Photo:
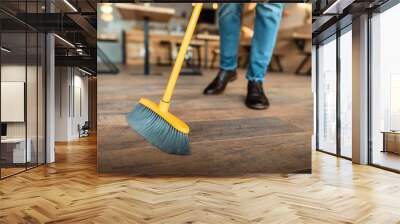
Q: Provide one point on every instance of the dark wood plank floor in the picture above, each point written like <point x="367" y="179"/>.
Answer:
<point x="226" y="137"/>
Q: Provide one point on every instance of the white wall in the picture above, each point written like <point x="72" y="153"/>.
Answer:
<point x="62" y="82"/>
<point x="70" y="83"/>
<point x="82" y="82"/>
<point x="80" y="94"/>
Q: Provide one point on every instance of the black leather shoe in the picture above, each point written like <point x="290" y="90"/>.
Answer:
<point x="218" y="85"/>
<point x="256" y="98"/>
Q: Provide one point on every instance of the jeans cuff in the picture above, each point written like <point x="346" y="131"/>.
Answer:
<point x="250" y="78"/>
<point x="228" y="68"/>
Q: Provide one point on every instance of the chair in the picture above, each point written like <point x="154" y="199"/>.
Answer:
<point x="192" y="66"/>
<point x="84" y="130"/>
<point x="167" y="44"/>
<point x="215" y="53"/>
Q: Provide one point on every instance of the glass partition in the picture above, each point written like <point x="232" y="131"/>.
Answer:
<point x="385" y="89"/>
<point x="22" y="88"/>
<point x="31" y="99"/>
<point x="346" y="94"/>
<point x="327" y="96"/>
<point x="14" y="153"/>
<point x="41" y="97"/>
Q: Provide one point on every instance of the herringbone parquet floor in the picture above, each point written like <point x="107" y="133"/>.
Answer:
<point x="71" y="191"/>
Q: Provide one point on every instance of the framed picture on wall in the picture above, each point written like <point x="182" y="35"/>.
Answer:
<point x="12" y="101"/>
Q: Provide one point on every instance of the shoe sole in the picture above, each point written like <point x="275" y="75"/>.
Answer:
<point x="257" y="107"/>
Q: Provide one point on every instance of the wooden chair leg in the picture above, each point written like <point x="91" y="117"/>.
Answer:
<point x="276" y="65"/>
<point x="214" y="57"/>
<point x="303" y="63"/>
<point x="170" y="58"/>
<point x="278" y="62"/>
<point x="271" y="66"/>
<point x="199" y="57"/>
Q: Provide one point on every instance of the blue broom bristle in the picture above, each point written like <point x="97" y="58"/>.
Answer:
<point x="158" y="131"/>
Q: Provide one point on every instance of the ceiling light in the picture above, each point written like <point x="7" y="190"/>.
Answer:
<point x="106" y="8"/>
<point x="215" y="6"/>
<point x="65" y="41"/>
<point x="70" y="5"/>
<point x="5" y="50"/>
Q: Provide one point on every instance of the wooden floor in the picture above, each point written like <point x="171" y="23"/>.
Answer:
<point x="71" y="191"/>
<point x="387" y="159"/>
<point x="8" y="171"/>
<point x="226" y="137"/>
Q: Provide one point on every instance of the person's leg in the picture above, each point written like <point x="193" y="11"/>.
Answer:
<point x="229" y="28"/>
<point x="266" y="26"/>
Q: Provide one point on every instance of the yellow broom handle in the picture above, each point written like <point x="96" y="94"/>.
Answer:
<point x="164" y="103"/>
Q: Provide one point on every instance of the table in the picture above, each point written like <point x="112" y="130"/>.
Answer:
<point x="146" y="14"/>
<point x="206" y="38"/>
<point x="107" y="37"/>
<point x="391" y="141"/>
<point x="300" y="40"/>
<point x="18" y="151"/>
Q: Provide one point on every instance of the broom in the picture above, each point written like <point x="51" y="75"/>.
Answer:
<point x="154" y="122"/>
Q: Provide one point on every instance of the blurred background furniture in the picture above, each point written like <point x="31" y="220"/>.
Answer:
<point x="301" y="40"/>
<point x="84" y="129"/>
<point x="145" y="14"/>
<point x="391" y="141"/>
<point x="193" y="63"/>
<point x="13" y="151"/>
<point x="206" y="38"/>
<point x="167" y="44"/>
<point x="157" y="42"/>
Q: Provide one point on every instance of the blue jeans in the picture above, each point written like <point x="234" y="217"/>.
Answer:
<point x="266" y="25"/>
